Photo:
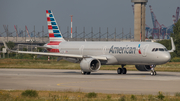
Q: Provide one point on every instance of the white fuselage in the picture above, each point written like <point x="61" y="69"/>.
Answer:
<point x="133" y="53"/>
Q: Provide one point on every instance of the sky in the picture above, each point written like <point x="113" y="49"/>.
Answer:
<point x="86" y="13"/>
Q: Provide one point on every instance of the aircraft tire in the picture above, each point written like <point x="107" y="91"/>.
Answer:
<point x="124" y="71"/>
<point x="88" y="73"/>
<point x="83" y="73"/>
<point x="152" y="73"/>
<point x="119" y="70"/>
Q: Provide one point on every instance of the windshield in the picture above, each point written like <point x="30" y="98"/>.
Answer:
<point x="159" y="49"/>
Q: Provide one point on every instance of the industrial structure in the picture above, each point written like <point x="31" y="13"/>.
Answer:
<point x="160" y="31"/>
<point x="139" y="19"/>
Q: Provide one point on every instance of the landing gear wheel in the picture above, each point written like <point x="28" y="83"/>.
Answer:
<point x="88" y="73"/>
<point x="124" y="71"/>
<point x="119" y="70"/>
<point x="154" y="72"/>
<point x="83" y="73"/>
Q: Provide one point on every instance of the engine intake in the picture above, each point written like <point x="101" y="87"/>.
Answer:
<point x="143" y="67"/>
<point x="90" y="65"/>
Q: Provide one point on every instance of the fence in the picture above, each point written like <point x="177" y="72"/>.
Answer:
<point x="41" y="36"/>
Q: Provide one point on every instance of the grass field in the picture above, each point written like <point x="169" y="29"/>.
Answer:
<point x="53" y="64"/>
<point x="16" y="95"/>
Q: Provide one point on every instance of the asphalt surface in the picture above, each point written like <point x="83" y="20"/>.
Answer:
<point x="103" y="81"/>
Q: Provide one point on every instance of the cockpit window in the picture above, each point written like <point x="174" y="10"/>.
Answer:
<point x="153" y="49"/>
<point x="165" y="49"/>
<point x="161" y="49"/>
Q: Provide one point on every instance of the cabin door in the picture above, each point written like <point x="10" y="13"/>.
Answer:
<point x="104" y="50"/>
<point x="144" y="50"/>
<point x="81" y="50"/>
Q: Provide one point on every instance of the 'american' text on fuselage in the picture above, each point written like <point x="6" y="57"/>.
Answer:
<point x="122" y="50"/>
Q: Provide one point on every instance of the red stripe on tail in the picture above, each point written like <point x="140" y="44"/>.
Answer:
<point x="54" y="43"/>
<point x="51" y="34"/>
<point x="48" y="19"/>
<point x="47" y="11"/>
<point x="49" y="27"/>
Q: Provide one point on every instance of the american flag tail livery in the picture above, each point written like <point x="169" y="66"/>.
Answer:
<point x="55" y="36"/>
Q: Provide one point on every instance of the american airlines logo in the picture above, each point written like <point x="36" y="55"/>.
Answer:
<point x="139" y="50"/>
<point x="122" y="50"/>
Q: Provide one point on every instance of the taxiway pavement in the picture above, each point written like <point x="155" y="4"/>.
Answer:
<point x="103" y="81"/>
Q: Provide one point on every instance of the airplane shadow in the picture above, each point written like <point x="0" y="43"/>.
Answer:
<point x="130" y="74"/>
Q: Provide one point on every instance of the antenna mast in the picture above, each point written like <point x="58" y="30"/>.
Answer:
<point x="71" y="25"/>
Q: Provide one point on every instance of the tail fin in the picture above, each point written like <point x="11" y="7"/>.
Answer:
<point x="53" y="28"/>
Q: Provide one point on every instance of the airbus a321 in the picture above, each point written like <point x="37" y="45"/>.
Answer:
<point x="91" y="55"/>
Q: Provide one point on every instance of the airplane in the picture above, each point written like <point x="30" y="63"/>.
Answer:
<point x="92" y="54"/>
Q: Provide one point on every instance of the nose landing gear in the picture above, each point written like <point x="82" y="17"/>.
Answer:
<point x="153" y="72"/>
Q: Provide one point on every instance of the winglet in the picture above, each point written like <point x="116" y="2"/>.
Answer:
<point x="8" y="48"/>
<point x="173" y="46"/>
<point x="5" y="46"/>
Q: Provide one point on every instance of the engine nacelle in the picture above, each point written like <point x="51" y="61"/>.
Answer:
<point x="143" y="67"/>
<point x="90" y="65"/>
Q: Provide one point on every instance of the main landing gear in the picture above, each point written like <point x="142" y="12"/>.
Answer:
<point x="84" y="73"/>
<point x="122" y="70"/>
<point x="153" y="72"/>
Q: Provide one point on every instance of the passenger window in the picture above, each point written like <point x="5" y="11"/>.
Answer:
<point x="156" y="49"/>
<point x="153" y="49"/>
<point x="161" y="49"/>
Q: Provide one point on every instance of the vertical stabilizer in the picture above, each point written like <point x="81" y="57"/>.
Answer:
<point x="55" y="35"/>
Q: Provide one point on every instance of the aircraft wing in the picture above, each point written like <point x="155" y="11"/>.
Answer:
<point x="63" y="55"/>
<point x="56" y="54"/>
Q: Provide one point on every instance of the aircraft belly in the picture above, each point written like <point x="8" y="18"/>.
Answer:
<point x="132" y="59"/>
<point x="92" y="52"/>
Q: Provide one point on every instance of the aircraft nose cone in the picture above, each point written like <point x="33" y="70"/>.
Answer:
<point x="166" y="57"/>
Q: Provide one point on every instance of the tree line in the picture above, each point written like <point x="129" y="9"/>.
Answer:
<point x="176" y="37"/>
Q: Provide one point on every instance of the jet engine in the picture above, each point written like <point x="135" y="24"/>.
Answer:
<point x="143" y="67"/>
<point x="90" y="65"/>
